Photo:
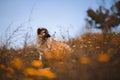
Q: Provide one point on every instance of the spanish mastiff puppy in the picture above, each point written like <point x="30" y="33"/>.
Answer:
<point x="45" y="43"/>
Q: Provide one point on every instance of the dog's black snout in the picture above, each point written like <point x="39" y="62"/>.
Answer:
<point x="47" y="35"/>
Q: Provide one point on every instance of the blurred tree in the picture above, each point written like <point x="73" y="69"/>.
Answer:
<point x="103" y="18"/>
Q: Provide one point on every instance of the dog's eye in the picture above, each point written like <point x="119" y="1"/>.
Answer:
<point x="43" y="31"/>
<point x="43" y="34"/>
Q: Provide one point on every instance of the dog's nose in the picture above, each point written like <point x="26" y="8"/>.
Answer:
<point x="47" y="35"/>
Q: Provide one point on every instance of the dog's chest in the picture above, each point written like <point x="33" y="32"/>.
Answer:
<point x="42" y="45"/>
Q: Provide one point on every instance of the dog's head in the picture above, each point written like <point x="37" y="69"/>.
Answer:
<point x="43" y="33"/>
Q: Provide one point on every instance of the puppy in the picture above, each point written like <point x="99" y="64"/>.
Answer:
<point x="45" y="43"/>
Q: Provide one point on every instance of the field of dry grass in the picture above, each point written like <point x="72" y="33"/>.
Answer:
<point x="93" y="58"/>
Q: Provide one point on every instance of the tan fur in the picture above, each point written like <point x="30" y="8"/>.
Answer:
<point x="47" y="45"/>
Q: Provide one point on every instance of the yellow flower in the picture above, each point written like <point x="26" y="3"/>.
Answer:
<point x="39" y="72"/>
<point x="36" y="63"/>
<point x="30" y="71"/>
<point x="81" y="46"/>
<point x="97" y="47"/>
<point x="84" y="60"/>
<point x="2" y="66"/>
<point x="17" y="63"/>
<point x="45" y="73"/>
<point x="103" y="57"/>
<point x="89" y="42"/>
<point x="10" y="70"/>
<point x="90" y="45"/>
<point x="74" y="45"/>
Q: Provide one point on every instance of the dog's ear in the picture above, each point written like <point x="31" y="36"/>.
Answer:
<point x="38" y="31"/>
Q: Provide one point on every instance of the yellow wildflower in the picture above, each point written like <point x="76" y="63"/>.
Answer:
<point x="89" y="42"/>
<point x="97" y="47"/>
<point x="37" y="63"/>
<point x="84" y="60"/>
<point x="103" y="57"/>
<point x="2" y="66"/>
<point x="30" y="71"/>
<point x="90" y="45"/>
<point x="10" y="70"/>
<point x="74" y="45"/>
<point x="81" y="46"/>
<point x="45" y="73"/>
<point x="40" y="72"/>
<point x="17" y="63"/>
